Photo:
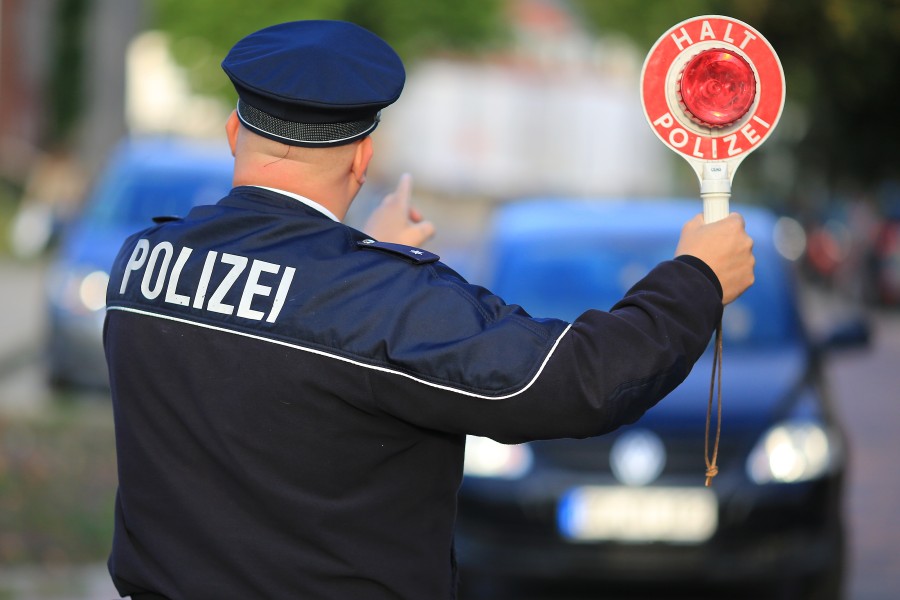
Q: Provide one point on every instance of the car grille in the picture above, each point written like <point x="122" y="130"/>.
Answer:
<point x="684" y="454"/>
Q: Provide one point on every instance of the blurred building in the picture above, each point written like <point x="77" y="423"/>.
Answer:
<point x="558" y="112"/>
<point x="21" y="58"/>
<point x="158" y="94"/>
<point x="30" y="50"/>
<point x="62" y="83"/>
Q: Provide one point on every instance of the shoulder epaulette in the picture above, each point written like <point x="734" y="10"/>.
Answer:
<point x="416" y="255"/>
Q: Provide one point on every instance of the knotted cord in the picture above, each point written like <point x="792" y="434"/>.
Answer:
<point x="711" y="469"/>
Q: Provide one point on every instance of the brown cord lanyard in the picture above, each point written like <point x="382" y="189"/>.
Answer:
<point x="711" y="469"/>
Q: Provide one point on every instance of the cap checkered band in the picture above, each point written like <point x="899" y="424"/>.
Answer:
<point x="312" y="134"/>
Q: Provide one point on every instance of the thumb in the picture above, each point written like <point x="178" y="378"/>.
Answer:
<point x="403" y="191"/>
<point x="695" y="223"/>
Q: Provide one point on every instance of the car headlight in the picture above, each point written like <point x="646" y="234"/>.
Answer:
<point x="81" y="292"/>
<point x="487" y="458"/>
<point x="793" y="451"/>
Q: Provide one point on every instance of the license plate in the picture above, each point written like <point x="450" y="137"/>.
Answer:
<point x="638" y="515"/>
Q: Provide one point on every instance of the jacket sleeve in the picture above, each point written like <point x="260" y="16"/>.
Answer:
<point x="603" y="371"/>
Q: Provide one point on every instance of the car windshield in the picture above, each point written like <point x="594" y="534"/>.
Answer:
<point x="131" y="200"/>
<point x="564" y="277"/>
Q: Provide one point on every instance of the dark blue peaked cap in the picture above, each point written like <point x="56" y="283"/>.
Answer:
<point x="313" y="83"/>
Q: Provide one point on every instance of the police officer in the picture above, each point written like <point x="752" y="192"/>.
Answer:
<point x="292" y="395"/>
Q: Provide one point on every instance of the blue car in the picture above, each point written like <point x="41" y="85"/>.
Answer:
<point x="143" y="178"/>
<point x="631" y="507"/>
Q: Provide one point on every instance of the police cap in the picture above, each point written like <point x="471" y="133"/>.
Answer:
<point x="313" y="83"/>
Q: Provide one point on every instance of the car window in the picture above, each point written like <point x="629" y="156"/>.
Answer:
<point x="564" y="277"/>
<point x="132" y="200"/>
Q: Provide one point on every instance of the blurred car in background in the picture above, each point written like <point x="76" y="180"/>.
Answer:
<point x="886" y="262"/>
<point x="143" y="178"/>
<point x="631" y="506"/>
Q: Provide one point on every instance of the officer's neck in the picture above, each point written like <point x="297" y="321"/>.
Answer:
<point x="333" y="193"/>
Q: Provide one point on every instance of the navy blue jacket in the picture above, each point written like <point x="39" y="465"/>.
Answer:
<point x="291" y="398"/>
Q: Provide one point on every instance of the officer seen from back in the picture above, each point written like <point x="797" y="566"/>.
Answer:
<point x="292" y="395"/>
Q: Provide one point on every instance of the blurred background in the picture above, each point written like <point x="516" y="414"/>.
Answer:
<point x="505" y="100"/>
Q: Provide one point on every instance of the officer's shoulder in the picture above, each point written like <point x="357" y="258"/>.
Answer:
<point x="410" y="253"/>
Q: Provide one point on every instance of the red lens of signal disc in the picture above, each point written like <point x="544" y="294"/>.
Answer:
<point x="717" y="87"/>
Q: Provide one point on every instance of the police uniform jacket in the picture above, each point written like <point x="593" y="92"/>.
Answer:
<point x="291" y="398"/>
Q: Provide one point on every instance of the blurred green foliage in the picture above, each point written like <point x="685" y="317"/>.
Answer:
<point x="10" y="193"/>
<point x="202" y="31"/>
<point x="57" y="485"/>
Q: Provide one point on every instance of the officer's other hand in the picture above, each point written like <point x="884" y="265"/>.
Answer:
<point x="395" y="221"/>
<point x="726" y="247"/>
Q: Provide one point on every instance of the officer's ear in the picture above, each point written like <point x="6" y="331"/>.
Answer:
<point x="361" y="159"/>
<point x="232" y="125"/>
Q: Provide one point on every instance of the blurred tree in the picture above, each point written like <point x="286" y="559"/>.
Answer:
<point x="842" y="64"/>
<point x="203" y="31"/>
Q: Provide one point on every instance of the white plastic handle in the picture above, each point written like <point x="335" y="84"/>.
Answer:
<point x="715" y="191"/>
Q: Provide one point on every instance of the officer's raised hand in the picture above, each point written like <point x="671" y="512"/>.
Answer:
<point x="725" y="247"/>
<point x="395" y="221"/>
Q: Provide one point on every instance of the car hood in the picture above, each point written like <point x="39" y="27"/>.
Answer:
<point x="758" y="386"/>
<point x="87" y="247"/>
